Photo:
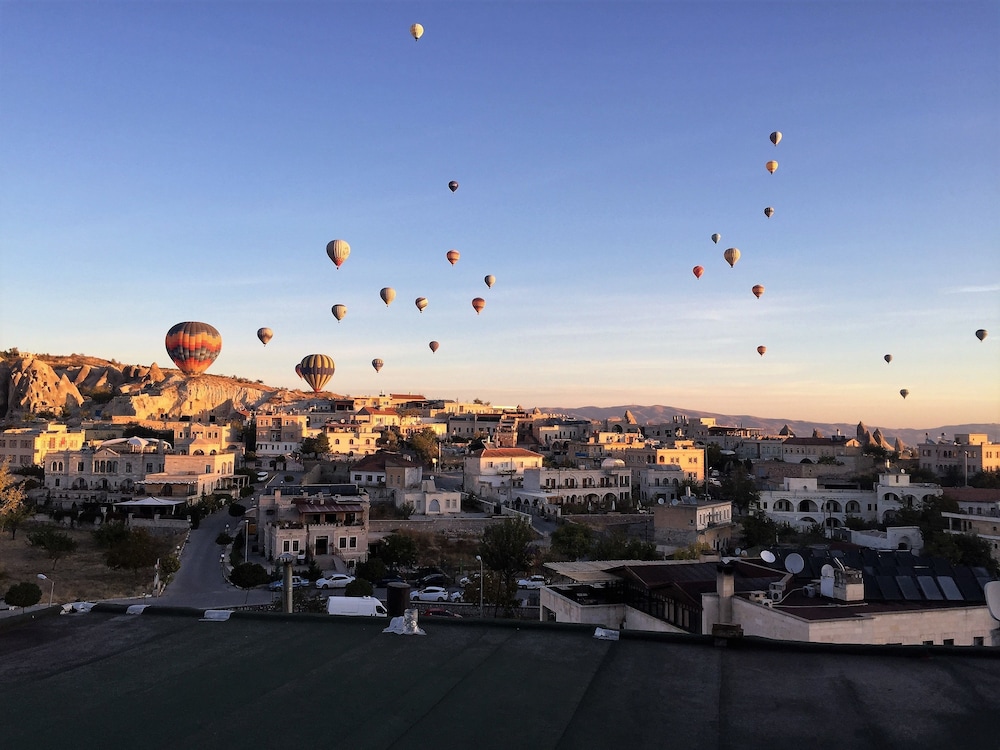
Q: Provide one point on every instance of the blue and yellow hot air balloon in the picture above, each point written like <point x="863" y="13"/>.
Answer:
<point x="317" y="369"/>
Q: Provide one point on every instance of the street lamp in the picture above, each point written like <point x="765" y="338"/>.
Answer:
<point x="43" y="577"/>
<point x="482" y="582"/>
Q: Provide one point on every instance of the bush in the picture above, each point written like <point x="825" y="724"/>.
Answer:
<point x="23" y="595"/>
<point x="223" y="539"/>
<point x="236" y="510"/>
<point x="359" y="587"/>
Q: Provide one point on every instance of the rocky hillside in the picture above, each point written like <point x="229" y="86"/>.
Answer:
<point x="81" y="387"/>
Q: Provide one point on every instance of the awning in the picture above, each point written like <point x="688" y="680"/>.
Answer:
<point x="151" y="502"/>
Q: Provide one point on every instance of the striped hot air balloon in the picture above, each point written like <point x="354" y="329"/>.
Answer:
<point x="193" y="346"/>
<point x="317" y="369"/>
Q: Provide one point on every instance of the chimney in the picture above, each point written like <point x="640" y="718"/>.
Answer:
<point x="726" y="587"/>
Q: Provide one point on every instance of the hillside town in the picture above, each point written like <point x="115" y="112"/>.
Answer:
<point x="704" y="527"/>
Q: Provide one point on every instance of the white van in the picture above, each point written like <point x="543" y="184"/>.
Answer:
<point x="356" y="606"/>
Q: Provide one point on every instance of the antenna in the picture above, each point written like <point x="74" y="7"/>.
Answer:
<point x="767" y="556"/>
<point x="794" y="563"/>
<point x="992" y="590"/>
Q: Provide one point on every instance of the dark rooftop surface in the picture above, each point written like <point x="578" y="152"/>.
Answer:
<point x="167" y="679"/>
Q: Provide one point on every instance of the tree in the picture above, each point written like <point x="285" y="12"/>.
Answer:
<point x="425" y="445"/>
<point x="13" y="509"/>
<point x="399" y="551"/>
<point x="572" y="541"/>
<point x="504" y="549"/>
<point x="359" y="587"/>
<point x="57" y="544"/>
<point x="985" y="480"/>
<point x="759" y="531"/>
<point x="137" y="551"/>
<point x="738" y="488"/>
<point x="618" y="546"/>
<point x="247" y="576"/>
<point x="23" y="595"/>
<point x="236" y="510"/>
<point x="322" y="443"/>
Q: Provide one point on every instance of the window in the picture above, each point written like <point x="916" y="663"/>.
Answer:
<point x="285" y="546"/>
<point x="977" y="641"/>
<point x="295" y="545"/>
<point x="354" y="542"/>
<point x="342" y="542"/>
<point x="949" y="641"/>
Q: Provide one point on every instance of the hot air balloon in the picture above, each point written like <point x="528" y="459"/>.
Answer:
<point x="421" y="303"/>
<point x="264" y="334"/>
<point x="982" y="333"/>
<point x="416" y="31"/>
<point x="771" y="166"/>
<point x="761" y="350"/>
<point x="478" y="304"/>
<point x="339" y="311"/>
<point x="453" y="186"/>
<point x="453" y="256"/>
<point x="193" y="346"/>
<point x="775" y="137"/>
<point x="298" y="369"/>
<point x="758" y="289"/>
<point x="338" y="250"/>
<point x="434" y="346"/>
<point x="716" y="237"/>
<point x="769" y="212"/>
<point x="317" y="369"/>
<point x="698" y="271"/>
<point x="377" y="364"/>
<point x="904" y="393"/>
<point x="731" y="255"/>
<point x="388" y="294"/>
<point x="490" y="280"/>
<point x="887" y="358"/>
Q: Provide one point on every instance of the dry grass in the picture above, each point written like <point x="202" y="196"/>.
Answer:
<point x="79" y="576"/>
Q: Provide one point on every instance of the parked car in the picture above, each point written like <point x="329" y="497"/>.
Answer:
<point x="466" y="580"/>
<point x="336" y="581"/>
<point x="298" y="582"/>
<point x="434" y="579"/>
<point x="532" y="582"/>
<point x="455" y="596"/>
<point x="386" y="580"/>
<point x="430" y="594"/>
<point x="439" y="612"/>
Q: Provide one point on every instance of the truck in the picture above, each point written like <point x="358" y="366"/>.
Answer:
<point x="356" y="606"/>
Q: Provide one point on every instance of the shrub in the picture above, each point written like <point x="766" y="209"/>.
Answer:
<point x="359" y="587"/>
<point x="23" y="595"/>
<point x="223" y="539"/>
<point x="236" y="510"/>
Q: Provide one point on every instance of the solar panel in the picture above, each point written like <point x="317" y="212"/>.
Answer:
<point x="909" y="588"/>
<point x="889" y="587"/>
<point x="941" y="566"/>
<point x="968" y="585"/>
<point x="930" y="589"/>
<point x="950" y="589"/>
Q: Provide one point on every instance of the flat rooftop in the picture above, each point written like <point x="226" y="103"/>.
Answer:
<point x="167" y="678"/>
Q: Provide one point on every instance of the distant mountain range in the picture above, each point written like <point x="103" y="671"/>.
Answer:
<point x="663" y="414"/>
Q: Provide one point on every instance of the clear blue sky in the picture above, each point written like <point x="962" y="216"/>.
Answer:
<point x="171" y="161"/>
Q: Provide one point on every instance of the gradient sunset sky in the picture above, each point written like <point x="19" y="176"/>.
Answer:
<point x="171" y="161"/>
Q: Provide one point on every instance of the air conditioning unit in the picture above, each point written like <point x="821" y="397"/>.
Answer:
<point x="776" y="590"/>
<point x="812" y="590"/>
<point x="768" y="603"/>
<point x="759" y="597"/>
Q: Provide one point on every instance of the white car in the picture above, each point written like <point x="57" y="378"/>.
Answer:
<point x="533" y="582"/>
<point x="336" y="581"/>
<point x="430" y="594"/>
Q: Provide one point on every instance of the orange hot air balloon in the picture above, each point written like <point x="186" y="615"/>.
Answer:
<point x="769" y="212"/>
<point x="339" y="311"/>
<point x="388" y="294"/>
<point x="904" y="393"/>
<point x="758" y="289"/>
<point x="775" y="137"/>
<point x="982" y="333"/>
<point x="453" y="186"/>
<point x="771" y="166"/>
<point x="453" y="256"/>
<point x="490" y="280"/>
<point x="377" y="364"/>
<point x="317" y="369"/>
<point x="416" y="31"/>
<point x="421" y="303"/>
<point x="193" y="346"/>
<point x="716" y="237"/>
<point x="761" y="350"/>
<point x="338" y="250"/>
<point x="434" y="346"/>
<point x="887" y="358"/>
<point x="478" y="304"/>
<point x="731" y="255"/>
<point x="265" y="335"/>
<point x="698" y="271"/>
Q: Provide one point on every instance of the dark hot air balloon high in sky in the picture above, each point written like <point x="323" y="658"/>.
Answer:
<point x="421" y="303"/>
<point x="478" y="304"/>
<point x="761" y="350"/>
<point x="758" y="290"/>
<point x="731" y="255"/>
<point x="339" y="311"/>
<point x="377" y="364"/>
<point x="317" y="369"/>
<point x="434" y="345"/>
<point x="776" y="137"/>
<point x="904" y="393"/>
<point x="716" y="237"/>
<point x="453" y="186"/>
<point x="490" y="280"/>
<point x="388" y="294"/>
<point x="265" y="335"/>
<point x="769" y="212"/>
<point x="193" y="346"/>
<point x="338" y="250"/>
<point x="698" y="271"/>
<point x="887" y="358"/>
<point x="982" y="333"/>
<point x="453" y="256"/>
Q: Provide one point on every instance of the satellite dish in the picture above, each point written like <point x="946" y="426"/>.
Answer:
<point x="739" y="551"/>
<point x="660" y="501"/>
<point x="826" y="571"/>
<point x="992" y="590"/>
<point x="675" y="501"/>
<point x="794" y="563"/>
<point x="767" y="556"/>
